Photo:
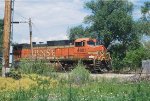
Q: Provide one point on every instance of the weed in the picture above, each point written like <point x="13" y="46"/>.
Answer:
<point x="80" y="75"/>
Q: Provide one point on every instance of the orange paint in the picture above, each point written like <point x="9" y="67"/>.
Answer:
<point x="84" y="48"/>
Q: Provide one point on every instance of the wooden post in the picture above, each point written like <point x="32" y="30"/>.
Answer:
<point x="6" y="36"/>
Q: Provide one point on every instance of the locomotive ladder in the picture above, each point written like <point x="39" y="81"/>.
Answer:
<point x="99" y="67"/>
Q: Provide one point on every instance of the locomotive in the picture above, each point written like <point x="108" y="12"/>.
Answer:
<point x="67" y="53"/>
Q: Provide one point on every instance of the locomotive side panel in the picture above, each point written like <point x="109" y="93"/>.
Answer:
<point x="64" y="53"/>
<point x="25" y="53"/>
<point x="43" y="53"/>
<point x="86" y="49"/>
<point x="53" y="52"/>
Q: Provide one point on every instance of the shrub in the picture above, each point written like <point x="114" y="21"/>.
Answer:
<point x="37" y="67"/>
<point x="134" y="58"/>
<point x="13" y="74"/>
<point x="117" y="64"/>
<point x="79" y="75"/>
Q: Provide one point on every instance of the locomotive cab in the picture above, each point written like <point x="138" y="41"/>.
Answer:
<point x="83" y="42"/>
<point x="88" y="49"/>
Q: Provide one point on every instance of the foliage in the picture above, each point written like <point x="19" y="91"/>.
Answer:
<point x="14" y="74"/>
<point x="147" y="45"/>
<point x="79" y="75"/>
<point x="134" y="58"/>
<point x="10" y="84"/>
<point x="81" y="32"/>
<point x="1" y="28"/>
<point x="0" y="69"/>
<point x="145" y="19"/>
<point x="105" y="90"/>
<point x="76" y="32"/>
<point x="111" y="22"/>
<point x="27" y="82"/>
<point x="1" y="35"/>
<point x="41" y="67"/>
<point x="117" y="64"/>
<point x="145" y="10"/>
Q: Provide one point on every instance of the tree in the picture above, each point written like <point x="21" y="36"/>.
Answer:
<point x="146" y="10"/>
<point x="145" y="19"/>
<point x="76" y="32"/>
<point x="80" y="32"/>
<point x="1" y="39"/>
<point x="111" y="20"/>
<point x="1" y="32"/>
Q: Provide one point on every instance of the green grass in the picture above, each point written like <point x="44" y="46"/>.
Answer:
<point x="92" y="91"/>
<point x="68" y="89"/>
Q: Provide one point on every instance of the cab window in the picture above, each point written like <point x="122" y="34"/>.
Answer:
<point x="91" y="43"/>
<point x="79" y="44"/>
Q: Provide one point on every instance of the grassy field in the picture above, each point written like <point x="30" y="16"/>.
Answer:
<point x="78" y="86"/>
<point x="49" y="89"/>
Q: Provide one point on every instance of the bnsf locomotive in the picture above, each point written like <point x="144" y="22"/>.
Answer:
<point x="67" y="53"/>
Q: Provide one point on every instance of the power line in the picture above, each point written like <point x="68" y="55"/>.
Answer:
<point x="21" y="16"/>
<point x="37" y="29"/>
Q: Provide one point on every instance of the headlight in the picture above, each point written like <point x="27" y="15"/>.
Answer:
<point x="92" y="57"/>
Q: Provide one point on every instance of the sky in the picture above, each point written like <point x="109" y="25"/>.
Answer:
<point x="51" y="19"/>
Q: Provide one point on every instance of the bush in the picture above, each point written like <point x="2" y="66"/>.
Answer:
<point x="117" y="64"/>
<point x="13" y="74"/>
<point x="37" y="67"/>
<point x="79" y="75"/>
<point x="134" y="58"/>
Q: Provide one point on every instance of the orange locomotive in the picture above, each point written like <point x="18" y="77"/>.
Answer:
<point x="67" y="53"/>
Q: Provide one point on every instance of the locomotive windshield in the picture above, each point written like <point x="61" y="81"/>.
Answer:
<point x="91" y="43"/>
<point x="79" y="44"/>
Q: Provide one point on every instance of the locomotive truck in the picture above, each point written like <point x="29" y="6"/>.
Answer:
<point x="67" y="53"/>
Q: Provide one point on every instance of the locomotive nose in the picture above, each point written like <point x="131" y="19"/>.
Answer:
<point x="103" y="48"/>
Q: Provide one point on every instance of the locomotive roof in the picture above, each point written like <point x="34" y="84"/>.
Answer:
<point x="84" y="39"/>
<point x="49" y="43"/>
<point x="54" y="43"/>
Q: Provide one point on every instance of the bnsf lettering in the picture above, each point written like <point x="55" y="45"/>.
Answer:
<point x="81" y="50"/>
<point x="43" y="52"/>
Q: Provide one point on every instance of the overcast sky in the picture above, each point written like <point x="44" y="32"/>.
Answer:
<point x="51" y="18"/>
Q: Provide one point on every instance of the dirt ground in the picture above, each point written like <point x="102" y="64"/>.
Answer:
<point x="112" y="75"/>
<point x="122" y="77"/>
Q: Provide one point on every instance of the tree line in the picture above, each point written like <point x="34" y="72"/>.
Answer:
<point x="112" y="23"/>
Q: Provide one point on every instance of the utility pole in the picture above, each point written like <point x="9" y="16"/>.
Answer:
<point x="30" y="29"/>
<point x="30" y="32"/>
<point x="6" y="36"/>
